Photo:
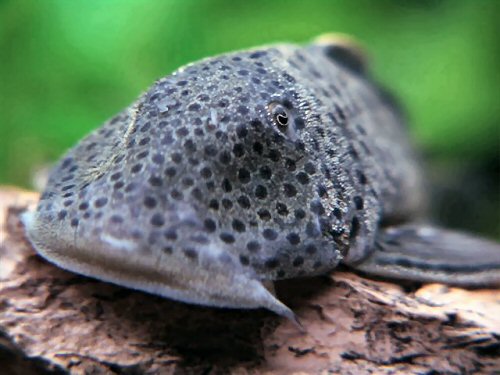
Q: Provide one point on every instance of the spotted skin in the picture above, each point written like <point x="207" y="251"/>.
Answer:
<point x="265" y="164"/>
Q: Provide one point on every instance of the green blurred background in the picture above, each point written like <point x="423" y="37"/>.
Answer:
<point x="66" y="66"/>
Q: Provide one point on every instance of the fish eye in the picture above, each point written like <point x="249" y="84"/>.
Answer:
<point x="280" y="115"/>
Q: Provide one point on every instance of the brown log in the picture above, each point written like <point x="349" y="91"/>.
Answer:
<point x="57" y="322"/>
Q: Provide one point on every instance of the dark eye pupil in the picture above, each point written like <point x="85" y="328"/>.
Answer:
<point x="282" y="118"/>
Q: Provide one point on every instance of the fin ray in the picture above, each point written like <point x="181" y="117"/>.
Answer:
<point x="431" y="254"/>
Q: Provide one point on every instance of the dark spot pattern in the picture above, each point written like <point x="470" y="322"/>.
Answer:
<point x="244" y="260"/>
<point x="210" y="225"/>
<point x="157" y="220"/>
<point x="354" y="227"/>
<point x="150" y="202"/>
<point x="272" y="263"/>
<point x="358" y="202"/>
<point x="270" y="234"/>
<point x="260" y="192"/>
<point x="298" y="261"/>
<point x="230" y="152"/>
<point x="238" y="225"/>
<point x="293" y="238"/>
<point x="227" y="237"/>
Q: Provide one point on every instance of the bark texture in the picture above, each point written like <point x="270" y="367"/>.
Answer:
<point x="56" y="322"/>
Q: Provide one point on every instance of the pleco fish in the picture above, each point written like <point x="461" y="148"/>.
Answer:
<point x="271" y="163"/>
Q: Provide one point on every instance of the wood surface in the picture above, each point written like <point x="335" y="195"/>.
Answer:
<point x="57" y="322"/>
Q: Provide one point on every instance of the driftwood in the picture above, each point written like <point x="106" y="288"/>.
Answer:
<point x="56" y="322"/>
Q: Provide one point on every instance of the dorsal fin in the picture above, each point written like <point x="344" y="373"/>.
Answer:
<point x="344" y="50"/>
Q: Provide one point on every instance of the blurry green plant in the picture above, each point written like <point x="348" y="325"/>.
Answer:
<point x="66" y="66"/>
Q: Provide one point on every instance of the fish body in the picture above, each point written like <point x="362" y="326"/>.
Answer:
<point x="271" y="163"/>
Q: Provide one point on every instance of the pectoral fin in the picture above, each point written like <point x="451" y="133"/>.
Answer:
<point x="432" y="254"/>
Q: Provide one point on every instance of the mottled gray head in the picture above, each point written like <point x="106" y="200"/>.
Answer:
<point x="224" y="168"/>
<point x="220" y="157"/>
